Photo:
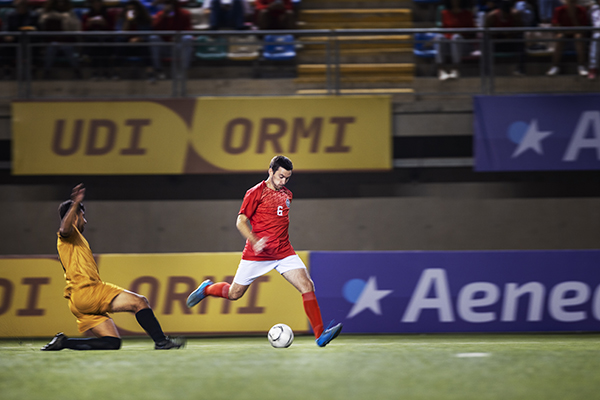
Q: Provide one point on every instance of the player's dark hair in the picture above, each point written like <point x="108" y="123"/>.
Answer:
<point x="64" y="207"/>
<point x="281" y="161"/>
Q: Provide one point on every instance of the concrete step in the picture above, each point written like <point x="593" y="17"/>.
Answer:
<point x="357" y="15"/>
<point x="356" y="18"/>
<point x="363" y="56"/>
<point x="399" y="95"/>
<point x="358" y="49"/>
<point x="370" y="72"/>
<point x="376" y="43"/>
<point x="344" y="4"/>
<point x="360" y="91"/>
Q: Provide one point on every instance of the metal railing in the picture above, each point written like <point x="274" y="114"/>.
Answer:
<point x="29" y="47"/>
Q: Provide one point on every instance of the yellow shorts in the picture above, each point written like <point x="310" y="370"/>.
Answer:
<point x="91" y="304"/>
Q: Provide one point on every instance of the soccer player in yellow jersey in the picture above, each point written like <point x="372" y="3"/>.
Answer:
<point x="91" y="299"/>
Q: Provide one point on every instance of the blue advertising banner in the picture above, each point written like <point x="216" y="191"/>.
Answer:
<point x="537" y="132"/>
<point x="462" y="291"/>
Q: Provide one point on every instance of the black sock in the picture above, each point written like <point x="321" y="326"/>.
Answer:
<point x="103" y="343"/>
<point x="148" y="321"/>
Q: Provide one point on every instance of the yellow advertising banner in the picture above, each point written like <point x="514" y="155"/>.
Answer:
<point x="32" y="303"/>
<point x="202" y="135"/>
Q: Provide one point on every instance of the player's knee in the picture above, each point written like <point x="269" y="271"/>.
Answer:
<point x="306" y="286"/>
<point x="141" y="302"/>
<point x="111" y="343"/>
<point x="235" y="296"/>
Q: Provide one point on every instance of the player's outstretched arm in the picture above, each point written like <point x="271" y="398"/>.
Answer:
<point x="66" y="225"/>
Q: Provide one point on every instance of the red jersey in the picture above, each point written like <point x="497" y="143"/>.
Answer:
<point x="561" y="17"/>
<point x="268" y="213"/>
<point x="462" y="19"/>
<point x="264" y="4"/>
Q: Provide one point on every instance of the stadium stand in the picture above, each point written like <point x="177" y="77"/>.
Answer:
<point x="368" y="64"/>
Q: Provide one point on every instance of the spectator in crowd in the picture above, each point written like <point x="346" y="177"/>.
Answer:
<point x="595" y="20"/>
<point x="296" y="6"/>
<point x="274" y="14"/>
<point x="504" y="16"/>
<point x="569" y="14"/>
<point x="21" y="18"/>
<point x="98" y="18"/>
<point x="58" y="16"/>
<point x="482" y="8"/>
<point x="528" y="11"/>
<point x="135" y="17"/>
<point x="171" y="18"/>
<point x="546" y="10"/>
<point x="226" y="13"/>
<point x="456" y="14"/>
<point x="530" y="17"/>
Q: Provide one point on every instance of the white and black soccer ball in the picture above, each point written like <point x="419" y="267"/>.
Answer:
<point x="280" y="336"/>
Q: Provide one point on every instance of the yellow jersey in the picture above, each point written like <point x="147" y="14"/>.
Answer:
<point x="78" y="262"/>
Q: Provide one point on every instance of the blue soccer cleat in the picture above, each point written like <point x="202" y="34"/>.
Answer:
<point x="329" y="334"/>
<point x="197" y="295"/>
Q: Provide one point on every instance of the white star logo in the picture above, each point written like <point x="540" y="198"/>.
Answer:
<point x="532" y="140"/>
<point x="369" y="298"/>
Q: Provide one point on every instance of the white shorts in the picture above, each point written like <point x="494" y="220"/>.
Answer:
<point x="248" y="270"/>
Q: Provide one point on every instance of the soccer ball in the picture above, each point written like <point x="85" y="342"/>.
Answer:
<point x="280" y="336"/>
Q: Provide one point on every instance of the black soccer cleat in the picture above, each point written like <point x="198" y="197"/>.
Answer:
<point x="169" y="344"/>
<point x="57" y="343"/>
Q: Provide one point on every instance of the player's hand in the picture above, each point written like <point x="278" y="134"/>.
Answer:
<point x="259" y="246"/>
<point x="78" y="193"/>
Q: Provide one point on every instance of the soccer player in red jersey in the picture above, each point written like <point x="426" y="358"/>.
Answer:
<point x="263" y="220"/>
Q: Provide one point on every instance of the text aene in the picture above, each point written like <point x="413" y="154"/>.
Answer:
<point x="473" y="298"/>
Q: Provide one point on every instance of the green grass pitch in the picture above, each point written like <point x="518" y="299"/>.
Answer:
<point x="432" y="367"/>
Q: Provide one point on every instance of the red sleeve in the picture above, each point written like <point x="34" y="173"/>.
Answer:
<point x="157" y="21"/>
<point x="469" y="20"/>
<point x="261" y="4"/>
<point x="250" y="202"/>
<point x="84" y="19"/>
<point x="113" y="16"/>
<point x="583" y="16"/>
<point x="556" y="16"/>
<point x="187" y="20"/>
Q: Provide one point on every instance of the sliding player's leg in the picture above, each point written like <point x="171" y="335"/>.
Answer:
<point x="107" y="338"/>
<point x="128" y="301"/>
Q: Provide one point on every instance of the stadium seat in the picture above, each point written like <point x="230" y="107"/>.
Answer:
<point x="211" y="47"/>
<point x="243" y="48"/>
<point x="424" y="45"/>
<point x="279" y="47"/>
<point x="200" y="18"/>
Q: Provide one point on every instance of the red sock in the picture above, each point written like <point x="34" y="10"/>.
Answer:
<point x="220" y="289"/>
<point x="313" y="312"/>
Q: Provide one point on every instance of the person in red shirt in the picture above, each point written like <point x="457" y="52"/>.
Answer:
<point x="505" y="16"/>
<point x="263" y="220"/>
<point x="171" y="18"/>
<point x="99" y="18"/>
<point x="455" y="15"/>
<point x="570" y="14"/>
<point x="274" y="14"/>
